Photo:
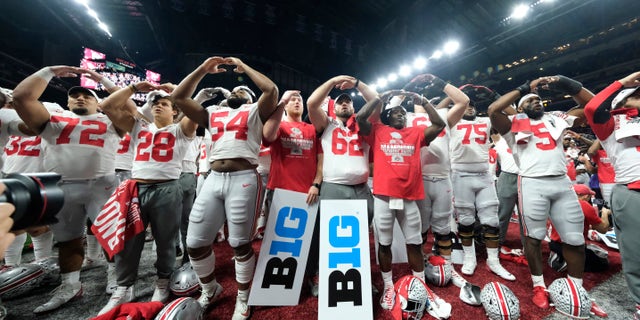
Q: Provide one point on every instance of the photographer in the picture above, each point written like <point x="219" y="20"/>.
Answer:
<point x="6" y="237"/>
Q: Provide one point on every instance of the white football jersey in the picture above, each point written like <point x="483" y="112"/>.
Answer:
<point x="435" y="157"/>
<point x="6" y="116"/>
<point x="205" y="151"/>
<point x="346" y="155"/>
<point x="505" y="157"/>
<point x="22" y="155"/>
<point x="235" y="133"/>
<point x="469" y="145"/>
<point x="189" y="162"/>
<point x="79" y="147"/>
<point x="542" y="154"/>
<point x="625" y="156"/>
<point x="264" y="161"/>
<point x="124" y="154"/>
<point x="158" y="151"/>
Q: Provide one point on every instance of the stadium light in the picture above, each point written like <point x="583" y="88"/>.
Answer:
<point x="451" y="47"/>
<point x="437" y="54"/>
<point x="405" y="70"/>
<point x="392" y="77"/>
<point x="419" y="63"/>
<point x="382" y="82"/>
<point x="520" y="11"/>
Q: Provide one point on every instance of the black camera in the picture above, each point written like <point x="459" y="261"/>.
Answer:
<point x="37" y="198"/>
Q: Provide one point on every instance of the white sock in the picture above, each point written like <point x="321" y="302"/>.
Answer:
<point x="13" y="254"/>
<point x="538" y="281"/>
<point x="578" y="281"/>
<point x="208" y="287"/>
<point x="243" y="295"/>
<point x="43" y="245"/>
<point x="93" y="247"/>
<point x="71" y="277"/>
<point x="469" y="250"/>
<point x="492" y="255"/>
<point x="387" y="278"/>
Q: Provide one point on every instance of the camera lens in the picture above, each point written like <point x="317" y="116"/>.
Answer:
<point x="37" y="198"/>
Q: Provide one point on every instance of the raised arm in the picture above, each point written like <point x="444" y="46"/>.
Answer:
<point x="268" y="100"/>
<point x="598" y="110"/>
<point x="117" y="108"/>
<point x="499" y="119"/>
<point x="183" y="93"/>
<point x="593" y="149"/>
<point x="460" y="104"/>
<point x="498" y="109"/>
<point x="27" y="93"/>
<point x="565" y="85"/>
<point x="437" y="123"/>
<point x="318" y="117"/>
<point x="270" y="128"/>
<point x="362" y="117"/>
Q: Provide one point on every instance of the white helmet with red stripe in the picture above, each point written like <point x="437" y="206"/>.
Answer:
<point x="499" y="302"/>
<point x="411" y="298"/>
<point x="437" y="271"/>
<point x="184" y="281"/>
<point x="20" y="280"/>
<point x="185" y="308"/>
<point x="570" y="298"/>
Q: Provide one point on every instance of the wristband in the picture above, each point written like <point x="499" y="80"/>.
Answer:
<point x="566" y="85"/>
<point x="317" y="185"/>
<point x="357" y="83"/>
<point x="107" y="83"/>
<point x="45" y="73"/>
<point x="525" y="88"/>
<point x="133" y="88"/>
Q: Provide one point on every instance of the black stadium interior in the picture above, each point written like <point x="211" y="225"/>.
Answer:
<point x="300" y="44"/>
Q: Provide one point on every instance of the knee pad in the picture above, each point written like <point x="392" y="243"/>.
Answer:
<point x="488" y="213"/>
<point x="245" y="267"/>
<point x="466" y="213"/>
<point x="465" y="232"/>
<point x="574" y="239"/>
<point x="490" y="233"/>
<point x="444" y="238"/>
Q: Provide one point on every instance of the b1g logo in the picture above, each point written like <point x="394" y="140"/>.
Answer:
<point x="284" y="250"/>
<point x="344" y="286"/>
<point x="289" y="230"/>
<point x="345" y="266"/>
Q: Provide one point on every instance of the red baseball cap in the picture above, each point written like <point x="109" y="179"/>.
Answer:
<point x="581" y="189"/>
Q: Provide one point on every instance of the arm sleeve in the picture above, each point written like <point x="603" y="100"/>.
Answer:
<point x="598" y="111"/>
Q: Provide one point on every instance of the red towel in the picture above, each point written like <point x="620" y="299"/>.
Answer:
<point x="132" y="311"/>
<point x="119" y="220"/>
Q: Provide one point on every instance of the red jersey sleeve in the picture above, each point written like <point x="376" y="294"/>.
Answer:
<point x="597" y="111"/>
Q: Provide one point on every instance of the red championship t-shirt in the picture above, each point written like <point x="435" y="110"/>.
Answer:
<point x="293" y="157"/>
<point x="606" y="174"/>
<point x="396" y="161"/>
<point x="590" y="219"/>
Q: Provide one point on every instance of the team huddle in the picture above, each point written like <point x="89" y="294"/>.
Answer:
<point x="418" y="165"/>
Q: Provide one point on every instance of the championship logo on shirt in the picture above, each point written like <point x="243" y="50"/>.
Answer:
<point x="296" y="142"/>
<point x="396" y="148"/>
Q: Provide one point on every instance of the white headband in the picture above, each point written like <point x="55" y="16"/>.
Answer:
<point x="526" y="96"/>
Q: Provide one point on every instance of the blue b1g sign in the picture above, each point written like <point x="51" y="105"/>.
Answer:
<point x="345" y="265"/>
<point x="283" y="254"/>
